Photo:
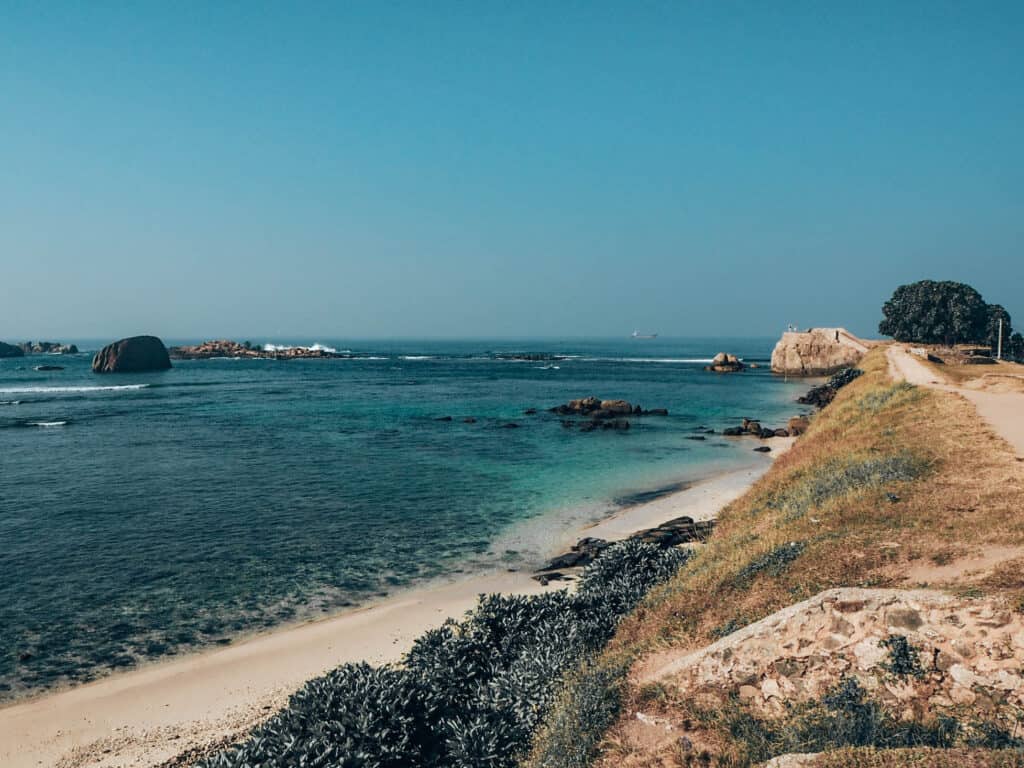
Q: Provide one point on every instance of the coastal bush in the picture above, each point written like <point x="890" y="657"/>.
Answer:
<point x="471" y="693"/>
<point x="837" y="477"/>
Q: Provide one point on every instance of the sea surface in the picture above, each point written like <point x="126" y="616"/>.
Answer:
<point x="143" y="515"/>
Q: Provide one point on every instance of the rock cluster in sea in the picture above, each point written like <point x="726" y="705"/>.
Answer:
<point x="47" y="348"/>
<point x="227" y="348"/>
<point x="724" y="362"/>
<point x="822" y="395"/>
<point x="602" y="414"/>
<point x="132" y="355"/>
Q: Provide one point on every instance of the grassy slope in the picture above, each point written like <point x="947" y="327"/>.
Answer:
<point x="960" y="492"/>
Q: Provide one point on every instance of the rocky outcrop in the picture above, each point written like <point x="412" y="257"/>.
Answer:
<point x="226" y="348"/>
<point x="132" y="355"/>
<point x="723" y="362"/>
<point x="9" y="350"/>
<point x="817" y="352"/>
<point x="48" y="348"/>
<point x="671" y="533"/>
<point x="824" y="394"/>
<point x="918" y="651"/>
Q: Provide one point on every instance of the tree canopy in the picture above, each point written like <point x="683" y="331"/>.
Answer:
<point x="943" y="312"/>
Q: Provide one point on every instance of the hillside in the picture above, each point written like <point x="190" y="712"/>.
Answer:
<point x="866" y="592"/>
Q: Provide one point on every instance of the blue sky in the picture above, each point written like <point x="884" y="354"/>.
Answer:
<point x="476" y="169"/>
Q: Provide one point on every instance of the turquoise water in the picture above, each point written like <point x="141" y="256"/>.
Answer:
<point x="144" y="515"/>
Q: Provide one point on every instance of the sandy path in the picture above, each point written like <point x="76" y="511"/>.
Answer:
<point x="146" y="716"/>
<point x="1003" y="411"/>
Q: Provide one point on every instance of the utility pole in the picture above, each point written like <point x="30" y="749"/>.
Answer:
<point x="999" y="354"/>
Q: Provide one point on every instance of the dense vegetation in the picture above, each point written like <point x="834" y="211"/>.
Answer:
<point x="946" y="312"/>
<point x="469" y="694"/>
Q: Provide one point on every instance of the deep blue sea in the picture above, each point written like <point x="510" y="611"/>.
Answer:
<point x="148" y="514"/>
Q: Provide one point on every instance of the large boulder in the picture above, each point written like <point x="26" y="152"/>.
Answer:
<point x="132" y="355"/>
<point x="9" y="350"/>
<point x="817" y="352"/>
<point x="724" y="362"/>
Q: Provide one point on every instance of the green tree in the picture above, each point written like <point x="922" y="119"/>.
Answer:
<point x="931" y="312"/>
<point x="1015" y="349"/>
<point x="995" y="314"/>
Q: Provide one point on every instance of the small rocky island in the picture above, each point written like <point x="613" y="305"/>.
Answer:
<point x="132" y="355"/>
<point x="37" y="348"/>
<point x="226" y="348"/>
<point x="724" y="362"/>
<point x="10" y="350"/>
<point x="48" y="348"/>
<point x="602" y="414"/>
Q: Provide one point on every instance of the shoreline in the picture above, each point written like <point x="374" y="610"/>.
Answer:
<point x="154" y="713"/>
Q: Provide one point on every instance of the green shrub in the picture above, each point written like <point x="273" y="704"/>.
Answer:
<point x="471" y="693"/>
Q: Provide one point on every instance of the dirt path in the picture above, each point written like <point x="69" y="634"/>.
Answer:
<point x="1003" y="411"/>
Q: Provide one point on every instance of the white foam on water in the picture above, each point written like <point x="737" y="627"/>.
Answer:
<point x="47" y="423"/>
<point x="69" y="390"/>
<point x="317" y="347"/>
<point x="416" y="357"/>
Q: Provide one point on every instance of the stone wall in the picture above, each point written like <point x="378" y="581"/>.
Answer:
<point x="971" y="653"/>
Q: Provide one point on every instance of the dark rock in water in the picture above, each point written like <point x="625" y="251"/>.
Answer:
<point x="132" y="355"/>
<point x="637" y="410"/>
<point x="469" y="420"/>
<point x="752" y="427"/>
<point x="510" y="425"/>
<point x="782" y="433"/>
<point x="529" y="411"/>
<point x="823" y="394"/>
<point x="443" y="418"/>
<point x="818" y="396"/>
<point x="49" y="368"/>
<point x="724" y="362"/>
<point x="680" y="530"/>
<point x="568" y="423"/>
<point x="762" y="449"/>
<point x="656" y="412"/>
<point x="588" y="426"/>
<point x="765" y="433"/>
<point x="9" y="350"/>
<point x="696" y="437"/>
<point x="24" y="656"/>
<point x="732" y="431"/>
<point x="615" y="424"/>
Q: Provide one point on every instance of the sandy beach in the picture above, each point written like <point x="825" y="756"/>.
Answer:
<point x="149" y="715"/>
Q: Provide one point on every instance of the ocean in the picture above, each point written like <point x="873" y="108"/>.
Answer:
<point x="144" y="515"/>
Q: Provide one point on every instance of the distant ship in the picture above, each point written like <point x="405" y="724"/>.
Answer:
<point x="638" y="335"/>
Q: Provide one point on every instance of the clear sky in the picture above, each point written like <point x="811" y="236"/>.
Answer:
<point x="353" y="169"/>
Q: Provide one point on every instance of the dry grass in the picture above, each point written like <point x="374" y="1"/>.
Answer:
<point x="956" y="372"/>
<point x="953" y="491"/>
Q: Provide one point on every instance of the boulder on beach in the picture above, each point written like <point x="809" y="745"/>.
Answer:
<point x="132" y="355"/>
<point x="9" y="350"/>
